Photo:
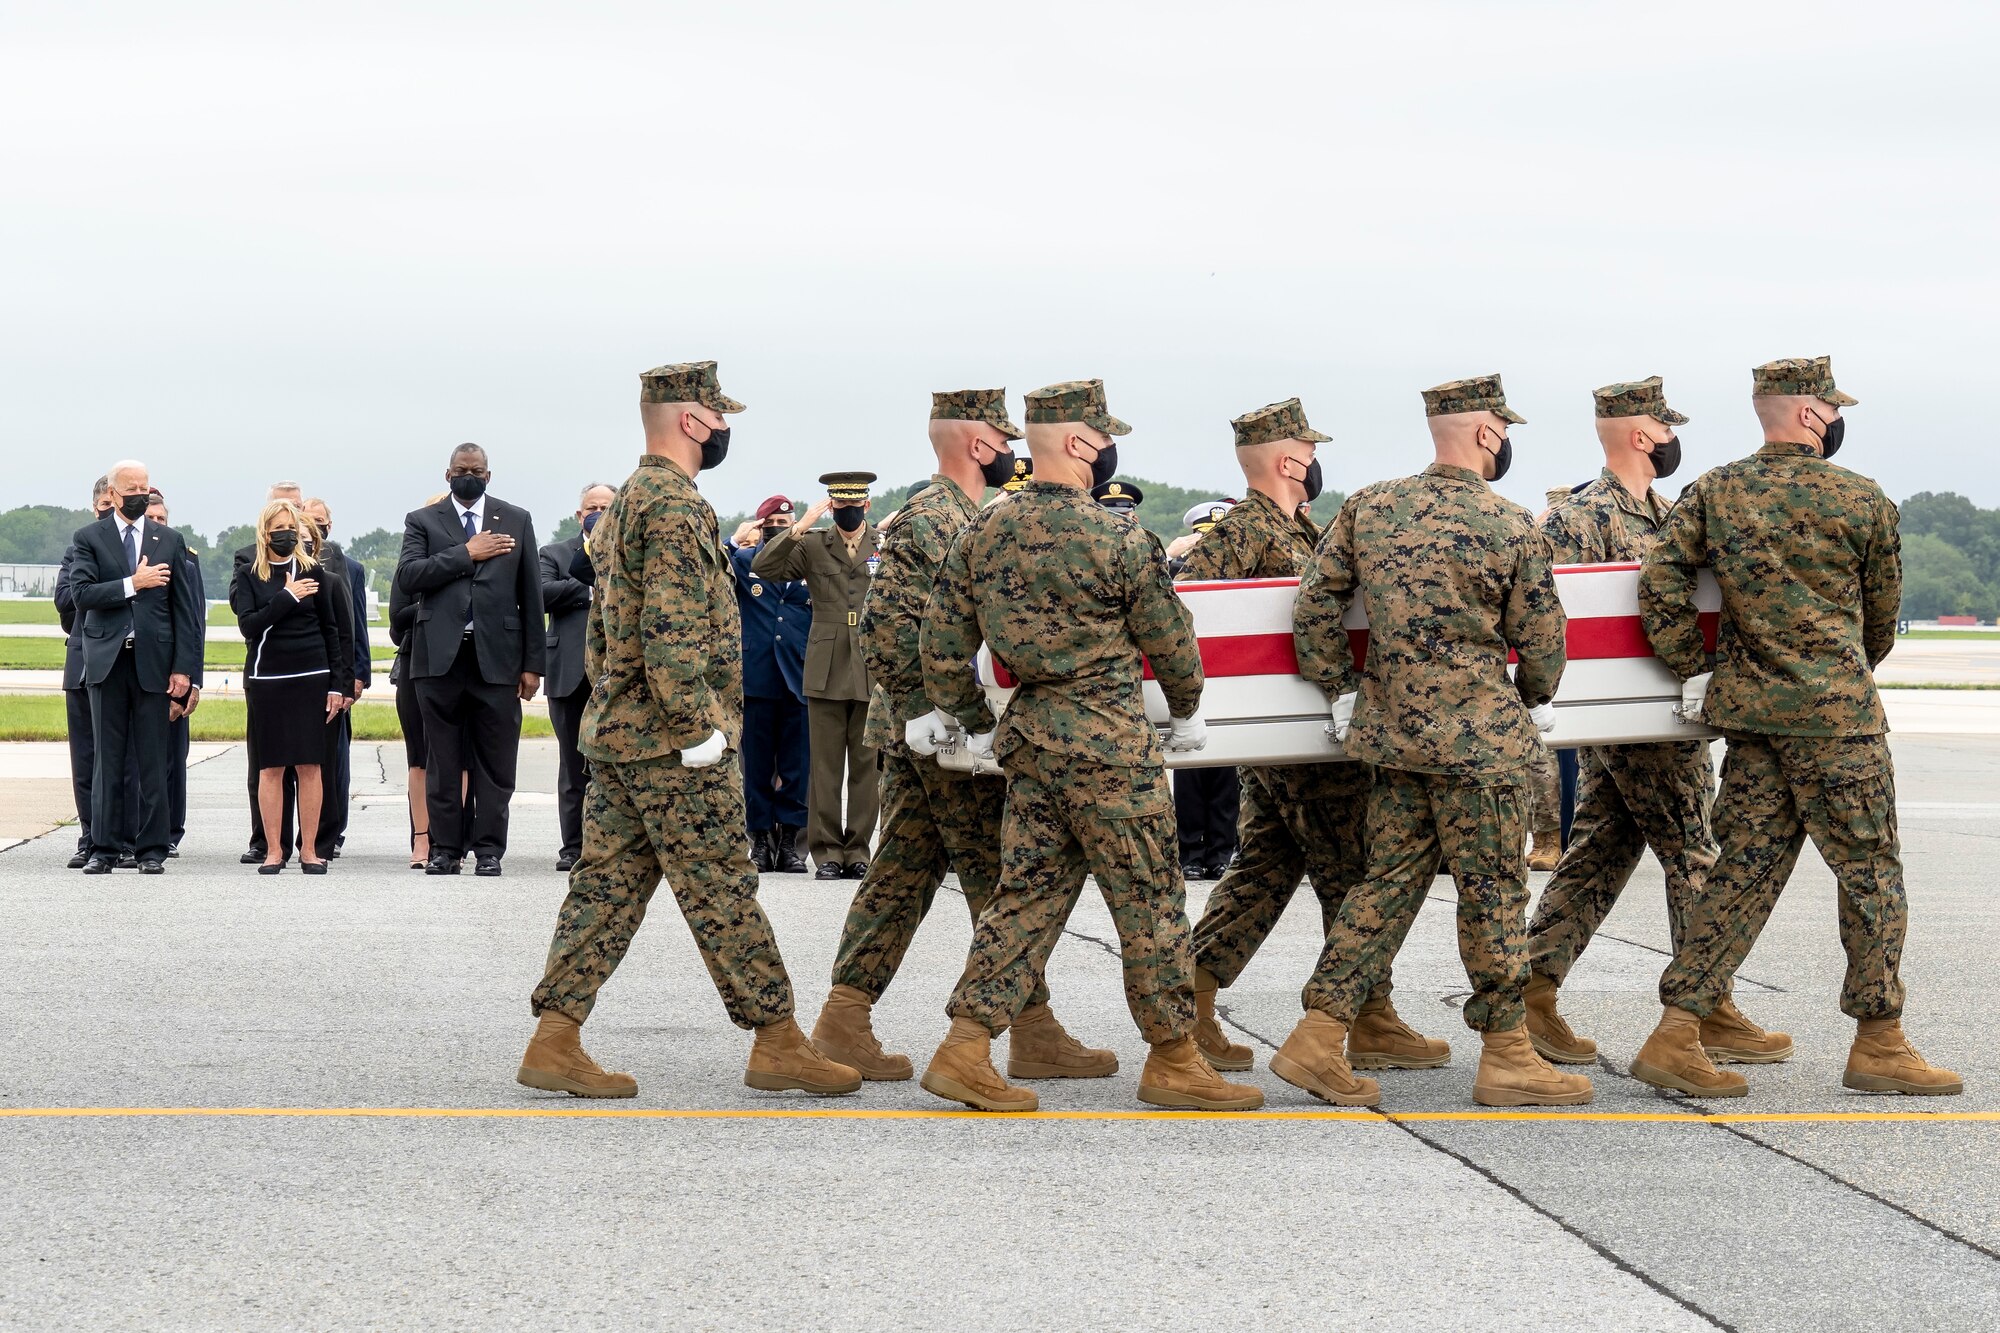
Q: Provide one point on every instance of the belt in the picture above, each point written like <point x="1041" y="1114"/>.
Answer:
<point x="130" y="640"/>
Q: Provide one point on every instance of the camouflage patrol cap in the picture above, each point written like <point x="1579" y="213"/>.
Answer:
<point x="1278" y="421"/>
<point x="1074" y="400"/>
<point x="1479" y="394"/>
<point x="1122" y="496"/>
<point x="847" y="485"/>
<point x="1636" y="398"/>
<point x="1798" y="376"/>
<point x="1024" y="472"/>
<point x="686" y="382"/>
<point x="988" y="406"/>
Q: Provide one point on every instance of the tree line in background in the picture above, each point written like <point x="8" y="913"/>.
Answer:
<point x="1951" y="547"/>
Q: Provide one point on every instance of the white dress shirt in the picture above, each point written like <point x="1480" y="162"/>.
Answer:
<point x="138" y="530"/>
<point x="478" y="511"/>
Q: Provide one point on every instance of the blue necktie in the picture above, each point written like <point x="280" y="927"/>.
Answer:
<point x="131" y="548"/>
<point x="471" y="528"/>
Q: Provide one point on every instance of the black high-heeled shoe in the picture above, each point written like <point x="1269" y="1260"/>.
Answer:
<point x="417" y="862"/>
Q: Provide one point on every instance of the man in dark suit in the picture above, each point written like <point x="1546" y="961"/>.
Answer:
<point x="142" y="644"/>
<point x="476" y="652"/>
<point x="566" y="599"/>
<point x="351" y="610"/>
<point x="776" y="614"/>
<point x="182" y="730"/>
<point x="76" y="697"/>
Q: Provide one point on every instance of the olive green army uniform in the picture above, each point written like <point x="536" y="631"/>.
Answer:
<point x="1809" y="562"/>
<point x="663" y="653"/>
<point x="1069" y="595"/>
<point x="836" y="684"/>
<point x="1629" y="797"/>
<point x="934" y="819"/>
<point x="1297" y="820"/>
<point x="1453" y="577"/>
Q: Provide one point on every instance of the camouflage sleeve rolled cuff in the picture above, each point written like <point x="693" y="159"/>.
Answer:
<point x="947" y="643"/>
<point x="1882" y="584"/>
<point x="1667" y="587"/>
<point x="676" y="630"/>
<point x="1318" y="636"/>
<point x="1535" y="627"/>
<point x="1160" y="624"/>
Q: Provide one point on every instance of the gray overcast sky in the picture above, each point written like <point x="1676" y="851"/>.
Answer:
<point x="330" y="242"/>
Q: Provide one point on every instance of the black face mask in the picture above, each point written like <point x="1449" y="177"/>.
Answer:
<point x="1503" y="460"/>
<point x="849" y="517"/>
<point x="771" y="532"/>
<point x="283" y="542"/>
<point x="466" y="488"/>
<point x="134" y="506"/>
<point x="715" y="448"/>
<point x="1667" y="456"/>
<point x="1105" y="466"/>
<point x="1312" y="481"/>
<point x="1829" y="443"/>
<point x="997" y="470"/>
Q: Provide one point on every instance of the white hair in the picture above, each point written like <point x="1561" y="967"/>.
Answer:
<point x="124" y="465"/>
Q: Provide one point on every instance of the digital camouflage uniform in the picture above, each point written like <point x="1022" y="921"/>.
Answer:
<point x="934" y="819"/>
<point x="1452" y="576"/>
<point x="1810" y="567"/>
<point x="1297" y="819"/>
<point x="663" y="652"/>
<point x="1629" y="797"/>
<point x="1068" y="595"/>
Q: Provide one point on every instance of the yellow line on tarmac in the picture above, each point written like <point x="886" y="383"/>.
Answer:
<point x="572" y="1112"/>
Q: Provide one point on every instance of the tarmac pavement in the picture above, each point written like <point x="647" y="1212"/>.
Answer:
<point x="391" y="1174"/>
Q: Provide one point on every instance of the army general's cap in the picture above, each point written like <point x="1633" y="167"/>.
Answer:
<point x="1278" y="421"/>
<point x="1798" y="376"/>
<point x="988" y="406"/>
<point x="1636" y="398"/>
<point x="1074" y="400"/>
<point x="1479" y="394"/>
<point x="1024" y="472"/>
<point x="777" y="504"/>
<point x="847" y="485"/>
<point x="1208" y="513"/>
<point x="1120" y="495"/>
<point x="686" y="382"/>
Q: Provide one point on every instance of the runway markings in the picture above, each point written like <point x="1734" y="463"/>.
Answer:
<point x="1363" y="1117"/>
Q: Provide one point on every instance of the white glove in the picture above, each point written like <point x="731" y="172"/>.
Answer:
<point x="923" y="735"/>
<point x="1185" y="735"/>
<point x="1694" y="693"/>
<point x="706" y="754"/>
<point x="1544" y="717"/>
<point x="982" y="746"/>
<point x="1342" y="713"/>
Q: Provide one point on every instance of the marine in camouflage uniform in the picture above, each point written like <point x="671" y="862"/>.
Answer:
<point x="663" y="653"/>
<point x="1453" y="577"/>
<point x="1630" y="797"/>
<point x="1297" y="819"/>
<point x="934" y="819"/>
<point x="1808" y="560"/>
<point x="1069" y="595"/>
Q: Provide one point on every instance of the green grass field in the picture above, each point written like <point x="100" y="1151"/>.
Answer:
<point x="1986" y="635"/>
<point x="220" y="655"/>
<point x="40" y="717"/>
<point x="44" y="613"/>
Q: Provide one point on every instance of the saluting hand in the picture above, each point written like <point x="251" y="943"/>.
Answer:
<point x="817" y="512"/>
<point x="149" y="575"/>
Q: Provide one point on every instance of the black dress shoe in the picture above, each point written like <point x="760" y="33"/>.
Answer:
<point x="100" y="865"/>
<point x="173" y="853"/>
<point x="312" y="867"/>
<point x="566" y="862"/>
<point x="251" y="857"/>
<point x="152" y="865"/>
<point x="857" y="870"/>
<point x="443" y="863"/>
<point x="1193" y="872"/>
<point x="787" y="858"/>
<point x="127" y="861"/>
<point x="830" y="870"/>
<point x="264" y="869"/>
<point x="489" y="866"/>
<point x="1216" y="872"/>
<point x="79" y="860"/>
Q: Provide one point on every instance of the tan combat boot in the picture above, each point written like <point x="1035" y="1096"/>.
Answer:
<point x="1730" y="1037"/>
<point x="1513" y="1073"/>
<point x="1672" y="1058"/>
<point x="1176" y="1075"/>
<point x="962" y="1071"/>
<point x="557" y="1062"/>
<point x="1039" y="1047"/>
<point x="1549" y="1030"/>
<point x="1548" y="851"/>
<point x="1882" y="1060"/>
<point x="1314" y="1057"/>
<point x="1380" y="1039"/>
<point x="782" y="1060"/>
<point x="844" y="1033"/>
<point x="1216" y="1047"/>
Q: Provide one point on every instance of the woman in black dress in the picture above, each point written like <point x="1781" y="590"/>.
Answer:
<point x="287" y="675"/>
